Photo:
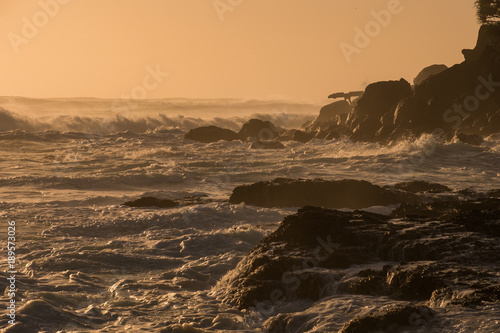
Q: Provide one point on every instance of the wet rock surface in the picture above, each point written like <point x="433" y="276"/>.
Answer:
<point x="394" y="320"/>
<point x="282" y="192"/>
<point x="424" y="257"/>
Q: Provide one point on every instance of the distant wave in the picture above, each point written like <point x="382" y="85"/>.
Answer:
<point x="10" y="121"/>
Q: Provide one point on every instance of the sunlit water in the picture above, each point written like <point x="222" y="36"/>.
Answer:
<point x="115" y="268"/>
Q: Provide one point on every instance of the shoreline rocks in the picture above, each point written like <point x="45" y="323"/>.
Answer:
<point x="425" y="261"/>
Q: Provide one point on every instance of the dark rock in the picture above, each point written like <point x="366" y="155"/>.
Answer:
<point x="166" y="203"/>
<point x="469" y="193"/>
<point x="331" y="194"/>
<point x="394" y="319"/>
<point x="421" y="186"/>
<point x="209" y="134"/>
<point x="479" y="297"/>
<point x="448" y="253"/>
<point x="415" y="283"/>
<point x="449" y="207"/>
<point x="486" y="39"/>
<point x="296" y="135"/>
<point x="494" y="193"/>
<point x="486" y="222"/>
<point x="379" y="100"/>
<point x="427" y="72"/>
<point x="332" y="130"/>
<point x="303" y="137"/>
<point x="471" y="139"/>
<point x="330" y="111"/>
<point x="258" y="130"/>
<point x="267" y="145"/>
<point x="440" y="104"/>
<point x="277" y="263"/>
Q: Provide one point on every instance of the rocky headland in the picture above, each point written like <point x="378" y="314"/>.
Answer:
<point x="461" y="101"/>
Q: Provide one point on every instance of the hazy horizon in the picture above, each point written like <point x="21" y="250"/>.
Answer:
<point x="213" y="50"/>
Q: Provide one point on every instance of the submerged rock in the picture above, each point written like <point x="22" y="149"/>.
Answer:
<point x="209" y="134"/>
<point x="283" y="192"/>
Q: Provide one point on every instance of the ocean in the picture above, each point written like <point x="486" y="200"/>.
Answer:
<point x="86" y="263"/>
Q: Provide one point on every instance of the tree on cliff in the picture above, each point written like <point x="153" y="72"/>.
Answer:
<point x="488" y="11"/>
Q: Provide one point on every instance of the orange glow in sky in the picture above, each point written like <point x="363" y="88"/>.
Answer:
<point x="224" y="48"/>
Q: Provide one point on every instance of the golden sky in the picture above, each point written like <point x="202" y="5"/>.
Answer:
<point x="223" y="48"/>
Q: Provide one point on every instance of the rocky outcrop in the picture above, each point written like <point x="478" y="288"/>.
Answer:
<point x="283" y="192"/>
<point x="372" y="118"/>
<point x="465" y="97"/>
<point x="209" y="134"/>
<point x="423" y="260"/>
<point x="258" y="130"/>
<point x="427" y="72"/>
